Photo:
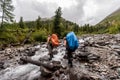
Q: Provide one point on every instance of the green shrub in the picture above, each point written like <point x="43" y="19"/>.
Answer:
<point x="113" y="29"/>
<point x="64" y="33"/>
<point x="7" y="37"/>
<point x="39" y="36"/>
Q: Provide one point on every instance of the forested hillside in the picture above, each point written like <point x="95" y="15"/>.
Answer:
<point x="35" y="31"/>
<point x="22" y="32"/>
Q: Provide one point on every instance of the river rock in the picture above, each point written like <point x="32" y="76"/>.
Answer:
<point x="45" y="72"/>
<point x="1" y="65"/>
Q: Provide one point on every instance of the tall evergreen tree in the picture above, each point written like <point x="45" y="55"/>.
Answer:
<point x="76" y="27"/>
<point x="6" y="9"/>
<point x="57" y="21"/>
<point x="21" y="23"/>
<point x="38" y="23"/>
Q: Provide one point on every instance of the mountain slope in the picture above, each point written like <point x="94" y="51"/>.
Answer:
<point x="112" y="18"/>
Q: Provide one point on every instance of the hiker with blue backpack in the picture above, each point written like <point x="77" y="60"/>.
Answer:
<point x="71" y="44"/>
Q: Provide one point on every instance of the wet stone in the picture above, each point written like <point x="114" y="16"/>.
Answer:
<point x="96" y="59"/>
<point x="118" y="70"/>
<point x="45" y="72"/>
<point x="1" y="65"/>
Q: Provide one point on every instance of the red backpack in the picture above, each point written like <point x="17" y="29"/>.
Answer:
<point x="54" y="40"/>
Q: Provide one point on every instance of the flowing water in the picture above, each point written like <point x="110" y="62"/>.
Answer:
<point x="30" y="71"/>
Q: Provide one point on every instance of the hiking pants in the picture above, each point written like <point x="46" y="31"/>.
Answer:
<point x="69" y="57"/>
<point x="50" y="48"/>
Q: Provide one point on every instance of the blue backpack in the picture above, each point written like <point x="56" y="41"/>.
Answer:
<point x="72" y="41"/>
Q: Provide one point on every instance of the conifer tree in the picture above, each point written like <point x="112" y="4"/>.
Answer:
<point x="21" y="23"/>
<point x="6" y="9"/>
<point x="38" y="23"/>
<point x="57" y="21"/>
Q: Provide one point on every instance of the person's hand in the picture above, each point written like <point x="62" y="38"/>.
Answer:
<point x="46" y="45"/>
<point x="64" y="43"/>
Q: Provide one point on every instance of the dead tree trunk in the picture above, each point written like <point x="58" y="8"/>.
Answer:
<point x="38" y="63"/>
<point x="27" y="37"/>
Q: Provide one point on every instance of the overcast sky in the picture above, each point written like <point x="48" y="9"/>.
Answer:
<point x="78" y="11"/>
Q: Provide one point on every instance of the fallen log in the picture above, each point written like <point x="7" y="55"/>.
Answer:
<point x="87" y="57"/>
<point x="51" y="67"/>
<point x="116" y="66"/>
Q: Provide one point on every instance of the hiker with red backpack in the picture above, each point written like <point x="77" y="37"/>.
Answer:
<point x="52" y="41"/>
<point x="71" y="44"/>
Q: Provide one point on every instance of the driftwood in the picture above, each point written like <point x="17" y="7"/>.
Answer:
<point x="116" y="66"/>
<point x="87" y="57"/>
<point x="51" y="67"/>
<point x="27" y="37"/>
<point x="47" y="69"/>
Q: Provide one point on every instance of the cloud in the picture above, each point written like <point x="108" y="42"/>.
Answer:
<point x="78" y="11"/>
